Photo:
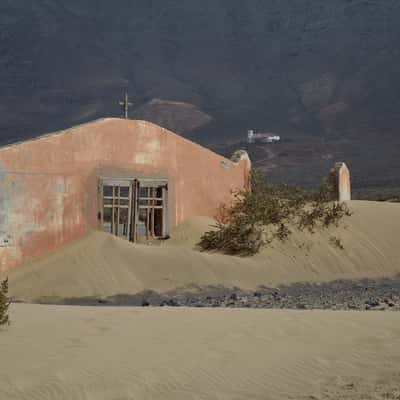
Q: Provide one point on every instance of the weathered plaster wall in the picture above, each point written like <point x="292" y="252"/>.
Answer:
<point x="4" y="207"/>
<point x="48" y="186"/>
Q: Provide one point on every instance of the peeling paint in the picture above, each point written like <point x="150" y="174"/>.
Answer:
<point x="21" y="222"/>
<point x="2" y="172"/>
<point x="5" y="238"/>
<point x="225" y="164"/>
<point x="58" y="207"/>
<point x="149" y="154"/>
<point x="59" y="186"/>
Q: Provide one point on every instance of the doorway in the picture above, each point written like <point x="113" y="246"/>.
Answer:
<point x="134" y="209"/>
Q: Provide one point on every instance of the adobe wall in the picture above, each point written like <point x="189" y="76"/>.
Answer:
<point x="343" y="181"/>
<point x="48" y="186"/>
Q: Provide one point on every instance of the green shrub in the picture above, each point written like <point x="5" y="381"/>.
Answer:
<point x="4" y="303"/>
<point x="265" y="212"/>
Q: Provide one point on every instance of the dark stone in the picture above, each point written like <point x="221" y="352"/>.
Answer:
<point x="173" y="303"/>
<point x="338" y="295"/>
<point x="372" y="303"/>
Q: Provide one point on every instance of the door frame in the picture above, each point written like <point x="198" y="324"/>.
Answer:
<point x="134" y="185"/>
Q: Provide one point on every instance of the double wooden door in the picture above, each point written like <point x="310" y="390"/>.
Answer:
<point x="134" y="210"/>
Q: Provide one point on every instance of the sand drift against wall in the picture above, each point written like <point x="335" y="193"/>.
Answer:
<point x="102" y="265"/>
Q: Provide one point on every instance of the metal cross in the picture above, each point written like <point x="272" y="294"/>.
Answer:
<point x="125" y="105"/>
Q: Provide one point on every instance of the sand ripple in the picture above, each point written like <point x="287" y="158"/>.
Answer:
<point x="64" y="352"/>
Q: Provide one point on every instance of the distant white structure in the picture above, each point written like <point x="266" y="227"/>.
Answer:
<point x="267" y="137"/>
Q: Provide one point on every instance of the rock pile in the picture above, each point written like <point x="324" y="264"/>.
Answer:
<point x="367" y="294"/>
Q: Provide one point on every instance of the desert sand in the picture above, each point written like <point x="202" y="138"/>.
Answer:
<point x="119" y="353"/>
<point x="103" y="265"/>
<point x="89" y="353"/>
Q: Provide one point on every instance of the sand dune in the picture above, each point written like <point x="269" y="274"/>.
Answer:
<point x="103" y="265"/>
<point x="85" y="353"/>
<point x="82" y="353"/>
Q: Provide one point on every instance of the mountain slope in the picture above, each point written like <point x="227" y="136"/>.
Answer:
<point x="306" y="69"/>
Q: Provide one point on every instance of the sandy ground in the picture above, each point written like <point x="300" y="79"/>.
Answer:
<point x="94" y="353"/>
<point x="82" y="353"/>
<point x="103" y="265"/>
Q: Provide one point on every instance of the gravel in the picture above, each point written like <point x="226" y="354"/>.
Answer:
<point x="366" y="294"/>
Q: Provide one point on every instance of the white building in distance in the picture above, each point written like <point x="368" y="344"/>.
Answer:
<point x="266" y="137"/>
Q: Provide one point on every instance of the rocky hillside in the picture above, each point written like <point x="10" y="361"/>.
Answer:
<point x="320" y="74"/>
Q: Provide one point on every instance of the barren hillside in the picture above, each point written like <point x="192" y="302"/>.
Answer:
<point x="317" y="73"/>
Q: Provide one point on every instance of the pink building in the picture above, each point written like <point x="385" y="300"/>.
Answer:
<point x="130" y="178"/>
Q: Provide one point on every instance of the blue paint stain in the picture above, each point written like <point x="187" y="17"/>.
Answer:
<point x="2" y="172"/>
<point x="4" y="202"/>
<point x="59" y="187"/>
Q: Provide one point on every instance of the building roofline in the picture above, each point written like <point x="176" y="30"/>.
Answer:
<point x="52" y="133"/>
<point x="74" y="127"/>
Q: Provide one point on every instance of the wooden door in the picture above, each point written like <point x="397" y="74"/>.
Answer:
<point x="134" y="210"/>
<point x="151" y="209"/>
<point x="116" y="208"/>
